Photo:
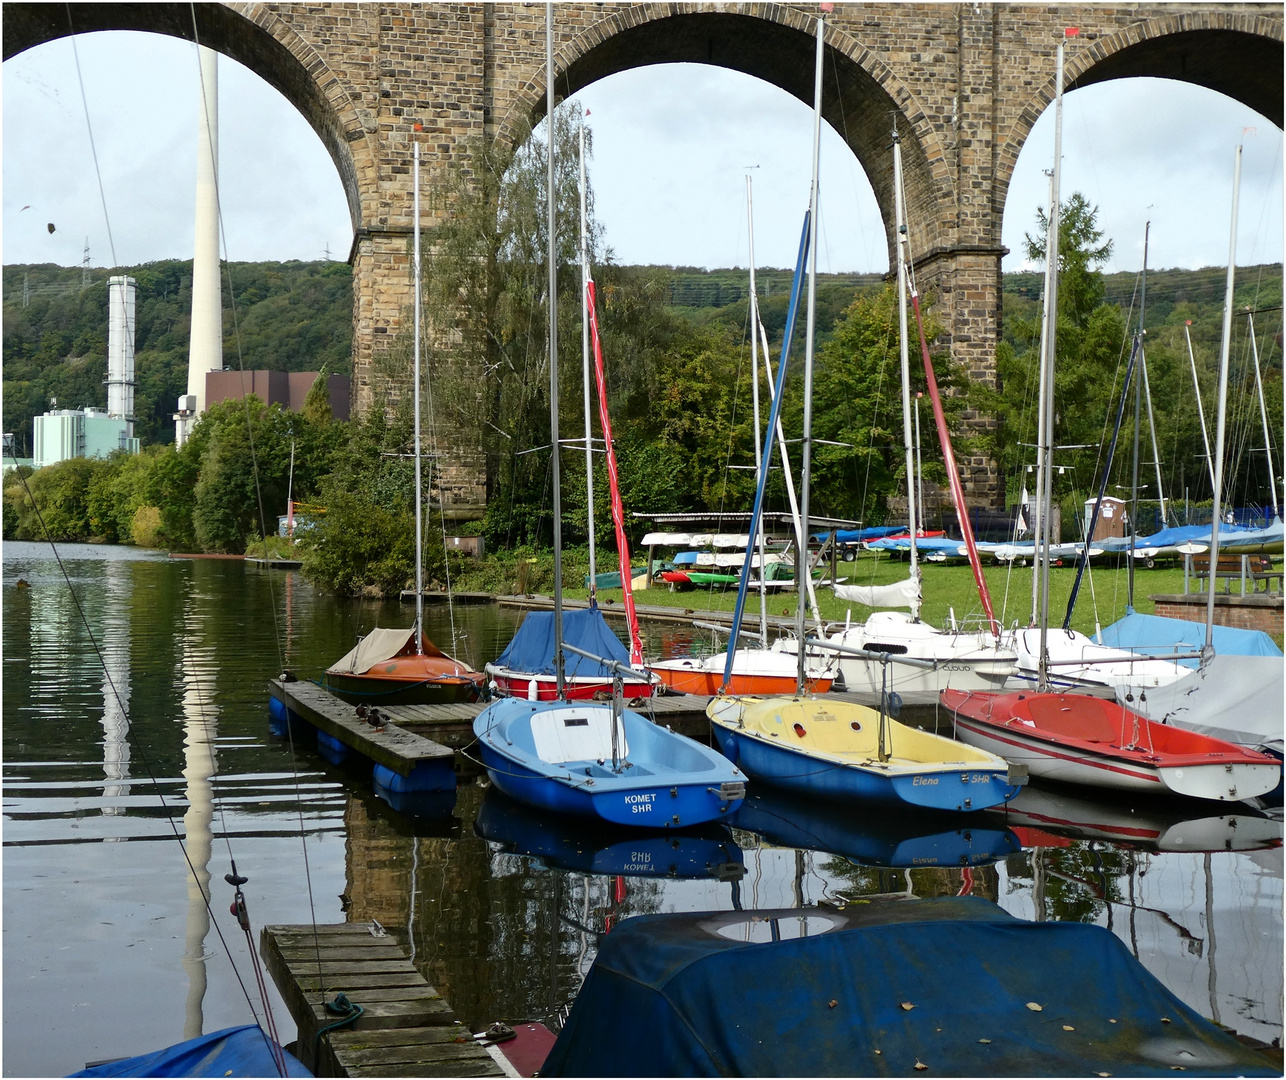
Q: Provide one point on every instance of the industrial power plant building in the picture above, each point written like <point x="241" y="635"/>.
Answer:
<point x="71" y="433"/>
<point x="90" y="432"/>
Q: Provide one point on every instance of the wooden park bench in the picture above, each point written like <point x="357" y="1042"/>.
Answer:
<point x="1258" y="570"/>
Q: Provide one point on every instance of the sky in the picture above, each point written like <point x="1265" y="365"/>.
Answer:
<point x="673" y="146"/>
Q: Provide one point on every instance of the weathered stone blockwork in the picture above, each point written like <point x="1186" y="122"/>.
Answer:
<point x="966" y="81"/>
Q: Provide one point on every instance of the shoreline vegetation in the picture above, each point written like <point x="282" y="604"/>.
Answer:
<point x="949" y="590"/>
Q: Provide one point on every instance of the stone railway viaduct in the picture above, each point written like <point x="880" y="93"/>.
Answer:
<point x="966" y="80"/>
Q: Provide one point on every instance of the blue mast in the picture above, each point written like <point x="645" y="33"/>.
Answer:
<point x="774" y="413"/>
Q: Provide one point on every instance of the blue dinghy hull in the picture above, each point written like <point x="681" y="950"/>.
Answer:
<point x="786" y="768"/>
<point x="558" y="756"/>
<point x="890" y="988"/>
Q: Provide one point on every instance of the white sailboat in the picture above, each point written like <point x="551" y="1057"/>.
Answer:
<point x="1059" y="657"/>
<point x="1234" y="697"/>
<point x="1082" y="739"/>
<point x="967" y="659"/>
<point x="811" y="743"/>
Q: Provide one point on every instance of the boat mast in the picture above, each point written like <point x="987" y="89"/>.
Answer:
<point x="758" y="539"/>
<point x="1201" y="412"/>
<point x="802" y="570"/>
<point x="1152" y="429"/>
<point x="902" y="249"/>
<point x="1047" y="326"/>
<point x="584" y="336"/>
<point x="1224" y="350"/>
<point x="1138" y="399"/>
<point x="1263" y="416"/>
<point x="419" y="515"/>
<point x="553" y="353"/>
<point x="1042" y="542"/>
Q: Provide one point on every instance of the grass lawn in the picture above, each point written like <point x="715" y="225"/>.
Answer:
<point x="946" y="588"/>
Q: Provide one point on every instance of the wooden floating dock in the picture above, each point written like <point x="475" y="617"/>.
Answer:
<point x="406" y="1028"/>
<point x="418" y="734"/>
<point x="392" y="747"/>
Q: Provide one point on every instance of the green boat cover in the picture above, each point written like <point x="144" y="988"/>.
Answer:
<point x="950" y="986"/>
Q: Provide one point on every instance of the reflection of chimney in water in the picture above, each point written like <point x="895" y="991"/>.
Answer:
<point x="200" y="731"/>
<point x="205" y="349"/>
<point x="115" y="636"/>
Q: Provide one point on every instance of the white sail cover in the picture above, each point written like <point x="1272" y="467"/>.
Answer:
<point x="376" y="647"/>
<point x="1237" y="698"/>
<point x="900" y="594"/>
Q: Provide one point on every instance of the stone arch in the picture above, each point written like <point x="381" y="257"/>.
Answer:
<point x="1236" y="53"/>
<point x="775" y="43"/>
<point x="248" y="33"/>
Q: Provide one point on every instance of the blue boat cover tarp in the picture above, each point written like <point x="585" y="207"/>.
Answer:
<point x="532" y="647"/>
<point x="235" y="1051"/>
<point x="933" y="545"/>
<point x="1171" y="537"/>
<point x="1159" y="636"/>
<point x="857" y="536"/>
<point x="941" y="983"/>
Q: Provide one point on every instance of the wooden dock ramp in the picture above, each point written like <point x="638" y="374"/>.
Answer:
<point x="406" y="1028"/>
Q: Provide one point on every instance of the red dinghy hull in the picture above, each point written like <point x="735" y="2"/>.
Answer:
<point x="1081" y="739"/>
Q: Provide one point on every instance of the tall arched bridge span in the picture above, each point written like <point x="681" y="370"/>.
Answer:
<point x="966" y="80"/>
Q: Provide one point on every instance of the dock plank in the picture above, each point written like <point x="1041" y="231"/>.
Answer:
<point x="310" y="965"/>
<point x="394" y="747"/>
<point x="433" y="1051"/>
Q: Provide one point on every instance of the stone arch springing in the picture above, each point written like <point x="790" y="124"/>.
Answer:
<point x="861" y="93"/>
<point x="247" y="33"/>
<point x="1161" y="48"/>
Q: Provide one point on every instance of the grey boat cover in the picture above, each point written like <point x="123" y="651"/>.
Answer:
<point x="1236" y="698"/>
<point x="378" y="646"/>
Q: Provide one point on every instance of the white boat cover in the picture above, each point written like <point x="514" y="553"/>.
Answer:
<point x="1237" y="698"/>
<point x="904" y="593"/>
<point x="667" y="539"/>
<point x="376" y="647"/>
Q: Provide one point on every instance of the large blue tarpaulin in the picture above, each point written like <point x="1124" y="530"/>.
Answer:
<point x="856" y="536"/>
<point x="237" y="1051"/>
<point x="532" y="648"/>
<point x="893" y="985"/>
<point x="1157" y="635"/>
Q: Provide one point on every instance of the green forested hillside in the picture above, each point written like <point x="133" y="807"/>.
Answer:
<point x="288" y="317"/>
<point x="298" y="316"/>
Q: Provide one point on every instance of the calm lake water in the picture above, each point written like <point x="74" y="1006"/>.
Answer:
<point x="135" y="714"/>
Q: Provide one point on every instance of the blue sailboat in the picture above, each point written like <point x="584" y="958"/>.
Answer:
<point x="596" y="759"/>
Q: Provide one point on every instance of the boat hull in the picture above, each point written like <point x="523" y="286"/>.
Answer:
<point x="964" y="661"/>
<point x="829" y="749"/>
<point x="1078" y="739"/>
<point x="575" y="688"/>
<point x="1077" y="661"/>
<point x="558" y="756"/>
<point x="372" y="689"/>
<point x="755" y="672"/>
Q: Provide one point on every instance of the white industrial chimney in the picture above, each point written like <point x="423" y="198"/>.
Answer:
<point x="120" y="351"/>
<point x="205" y="349"/>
